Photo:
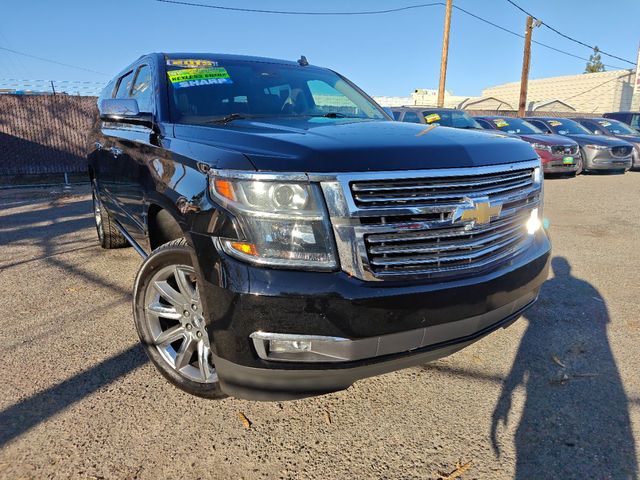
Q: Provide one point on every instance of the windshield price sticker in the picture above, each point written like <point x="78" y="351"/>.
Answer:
<point x="500" y="123"/>
<point x="555" y="123"/>
<point x="434" y="117"/>
<point x="604" y="123"/>
<point x="195" y="77"/>
<point x="191" y="63"/>
<point x="567" y="160"/>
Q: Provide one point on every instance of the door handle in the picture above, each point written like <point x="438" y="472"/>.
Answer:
<point x="116" y="151"/>
<point x="98" y="146"/>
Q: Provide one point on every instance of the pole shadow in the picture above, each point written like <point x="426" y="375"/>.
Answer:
<point x="28" y="413"/>
<point x="575" y="422"/>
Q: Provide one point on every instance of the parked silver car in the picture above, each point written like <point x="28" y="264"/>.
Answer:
<point x="599" y="152"/>
<point x="615" y="128"/>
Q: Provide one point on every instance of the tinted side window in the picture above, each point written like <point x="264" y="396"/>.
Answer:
<point x="124" y="87"/>
<point x="484" y="124"/>
<point x="411" y="117"/>
<point x="540" y="125"/>
<point x="589" y="126"/>
<point x="143" y="89"/>
<point x="396" y="115"/>
<point x="593" y="126"/>
<point x="635" y="121"/>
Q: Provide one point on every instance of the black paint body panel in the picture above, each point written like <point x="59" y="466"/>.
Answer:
<point x="165" y="167"/>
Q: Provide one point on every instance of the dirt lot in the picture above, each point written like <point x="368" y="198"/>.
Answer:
<point x="555" y="396"/>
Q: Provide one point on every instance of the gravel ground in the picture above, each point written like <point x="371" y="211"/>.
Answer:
<point x="555" y="396"/>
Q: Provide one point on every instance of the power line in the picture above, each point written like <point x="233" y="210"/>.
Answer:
<point x="287" y="12"/>
<point x="370" y="12"/>
<point x="567" y="36"/>
<point x="597" y="86"/>
<point x="522" y="36"/>
<point x="52" y="61"/>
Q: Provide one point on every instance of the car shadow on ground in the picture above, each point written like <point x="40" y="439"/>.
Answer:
<point x="42" y="227"/>
<point x="576" y="411"/>
<point x="26" y="414"/>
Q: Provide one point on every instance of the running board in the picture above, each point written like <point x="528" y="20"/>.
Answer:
<point x="136" y="246"/>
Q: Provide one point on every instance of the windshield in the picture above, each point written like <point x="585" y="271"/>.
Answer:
<point x="566" y="127"/>
<point x="616" y="127"/>
<point x="202" y="90"/>
<point x="450" y="118"/>
<point x="515" y="125"/>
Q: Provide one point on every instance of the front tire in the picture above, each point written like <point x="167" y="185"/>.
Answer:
<point x="170" y="320"/>
<point x="580" y="168"/>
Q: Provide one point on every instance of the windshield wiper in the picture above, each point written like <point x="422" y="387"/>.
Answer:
<point x="229" y="118"/>
<point x="336" y="115"/>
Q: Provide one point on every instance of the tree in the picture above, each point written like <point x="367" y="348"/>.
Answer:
<point x="595" y="62"/>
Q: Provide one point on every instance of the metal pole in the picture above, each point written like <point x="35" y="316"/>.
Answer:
<point x="53" y="88"/>
<point x="526" y="62"/>
<point x="445" y="53"/>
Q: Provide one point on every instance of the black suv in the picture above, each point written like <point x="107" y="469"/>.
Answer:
<point x="295" y="238"/>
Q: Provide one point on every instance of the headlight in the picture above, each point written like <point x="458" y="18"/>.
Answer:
<point x="537" y="177"/>
<point x="541" y="146"/>
<point x="597" y="147"/>
<point x="534" y="222"/>
<point x="284" y="223"/>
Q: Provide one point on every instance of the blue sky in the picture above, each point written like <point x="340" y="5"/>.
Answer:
<point x="385" y="54"/>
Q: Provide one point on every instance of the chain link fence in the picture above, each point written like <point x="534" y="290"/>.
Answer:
<point x="45" y="134"/>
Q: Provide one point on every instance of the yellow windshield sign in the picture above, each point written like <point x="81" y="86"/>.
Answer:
<point x="195" y="77"/>
<point x="433" y="117"/>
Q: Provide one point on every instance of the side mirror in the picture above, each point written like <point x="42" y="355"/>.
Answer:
<point x="124" y="110"/>
<point x="597" y="132"/>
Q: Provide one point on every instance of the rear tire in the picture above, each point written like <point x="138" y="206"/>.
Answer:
<point x="170" y="320"/>
<point x="108" y="234"/>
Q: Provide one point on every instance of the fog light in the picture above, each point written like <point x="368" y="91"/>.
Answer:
<point x="534" y="223"/>
<point x="289" y="346"/>
<point x="286" y="347"/>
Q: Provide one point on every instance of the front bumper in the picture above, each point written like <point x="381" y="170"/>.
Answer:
<point x="554" y="163"/>
<point x="603" y="160"/>
<point x="440" y="341"/>
<point x="446" y="316"/>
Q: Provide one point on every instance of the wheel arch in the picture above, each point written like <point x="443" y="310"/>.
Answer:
<point x="163" y="226"/>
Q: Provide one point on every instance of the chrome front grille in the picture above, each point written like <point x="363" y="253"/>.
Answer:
<point x="391" y="225"/>
<point x="621" y="151"/>
<point x="443" y="191"/>
<point x="564" y="149"/>
<point x="444" y="250"/>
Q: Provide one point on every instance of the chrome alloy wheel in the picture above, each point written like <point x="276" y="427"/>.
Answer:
<point x="174" y="317"/>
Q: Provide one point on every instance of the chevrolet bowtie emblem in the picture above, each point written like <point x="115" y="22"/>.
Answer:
<point x="482" y="213"/>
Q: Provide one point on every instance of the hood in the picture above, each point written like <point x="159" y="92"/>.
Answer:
<point x="341" y="145"/>
<point x="586" y="139"/>
<point x="630" y="138"/>
<point x="548" y="139"/>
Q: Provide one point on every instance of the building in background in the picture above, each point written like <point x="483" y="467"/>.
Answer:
<point x="425" y="97"/>
<point x="587" y="92"/>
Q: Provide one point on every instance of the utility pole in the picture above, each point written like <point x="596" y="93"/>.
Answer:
<point x="526" y="62"/>
<point x="445" y="53"/>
